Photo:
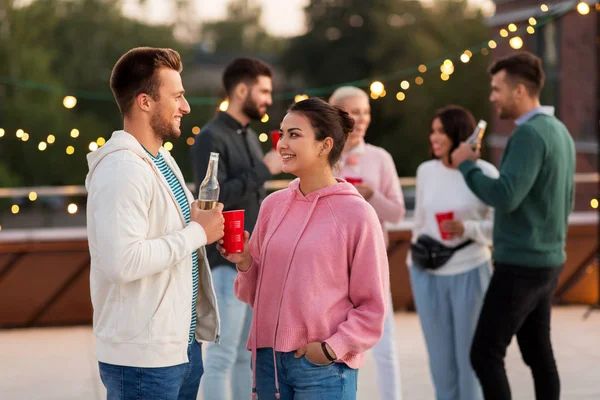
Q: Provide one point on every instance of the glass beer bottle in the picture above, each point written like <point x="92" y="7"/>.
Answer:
<point x="476" y="137"/>
<point x="208" y="194"/>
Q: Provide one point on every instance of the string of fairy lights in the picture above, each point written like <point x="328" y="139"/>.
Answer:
<point x="511" y="33"/>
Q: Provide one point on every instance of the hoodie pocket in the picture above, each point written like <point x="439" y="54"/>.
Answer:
<point x="171" y="321"/>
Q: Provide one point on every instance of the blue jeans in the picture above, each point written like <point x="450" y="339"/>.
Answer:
<point x="448" y="308"/>
<point x="300" y="379"/>
<point x="179" y="382"/>
<point x="385" y="353"/>
<point x="229" y="360"/>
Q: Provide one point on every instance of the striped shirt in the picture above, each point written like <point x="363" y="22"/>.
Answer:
<point x="185" y="209"/>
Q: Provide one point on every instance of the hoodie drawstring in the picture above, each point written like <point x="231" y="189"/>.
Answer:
<point x="253" y="332"/>
<point x="308" y="217"/>
<point x="277" y="394"/>
<point x="291" y="257"/>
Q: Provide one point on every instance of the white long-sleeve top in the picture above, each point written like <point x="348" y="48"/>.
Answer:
<point x="442" y="189"/>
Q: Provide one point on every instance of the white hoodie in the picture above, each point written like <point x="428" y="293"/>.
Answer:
<point x="141" y="260"/>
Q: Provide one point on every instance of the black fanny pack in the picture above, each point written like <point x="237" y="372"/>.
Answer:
<point x="428" y="253"/>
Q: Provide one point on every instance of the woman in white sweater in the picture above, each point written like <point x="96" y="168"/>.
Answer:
<point x="448" y="299"/>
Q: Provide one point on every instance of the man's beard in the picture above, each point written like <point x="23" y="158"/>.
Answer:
<point x="506" y="114"/>
<point x="507" y="111"/>
<point x="162" y="129"/>
<point x="250" y="108"/>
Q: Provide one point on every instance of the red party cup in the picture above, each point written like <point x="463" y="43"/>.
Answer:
<point x="441" y="217"/>
<point x="275" y="135"/>
<point x="233" y="240"/>
<point x="353" y="180"/>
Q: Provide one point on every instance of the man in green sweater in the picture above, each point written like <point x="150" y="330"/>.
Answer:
<point x="532" y="199"/>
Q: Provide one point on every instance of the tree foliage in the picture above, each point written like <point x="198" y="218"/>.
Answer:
<point x="350" y="40"/>
<point x="67" y="46"/>
<point x="51" y="48"/>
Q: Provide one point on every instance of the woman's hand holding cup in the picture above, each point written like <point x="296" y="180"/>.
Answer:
<point x="243" y="259"/>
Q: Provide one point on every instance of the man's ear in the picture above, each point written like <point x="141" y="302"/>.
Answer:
<point x="521" y="90"/>
<point x="240" y="91"/>
<point x="144" y="102"/>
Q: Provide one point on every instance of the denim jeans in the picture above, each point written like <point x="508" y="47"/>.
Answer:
<point x="179" y="382"/>
<point x="518" y="301"/>
<point x="229" y="360"/>
<point x="448" y="307"/>
<point x="300" y="379"/>
<point x="385" y="353"/>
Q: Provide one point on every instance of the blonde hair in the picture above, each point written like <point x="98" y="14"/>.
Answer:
<point x="342" y="93"/>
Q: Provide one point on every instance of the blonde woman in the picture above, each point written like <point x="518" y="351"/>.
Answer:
<point x="374" y="173"/>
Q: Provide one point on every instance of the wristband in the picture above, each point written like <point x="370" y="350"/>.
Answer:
<point x="324" y="347"/>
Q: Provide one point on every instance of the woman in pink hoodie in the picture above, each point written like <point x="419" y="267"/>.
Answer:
<point x="315" y="271"/>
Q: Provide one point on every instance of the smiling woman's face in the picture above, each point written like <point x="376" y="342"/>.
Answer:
<point x="298" y="147"/>
<point x="440" y="141"/>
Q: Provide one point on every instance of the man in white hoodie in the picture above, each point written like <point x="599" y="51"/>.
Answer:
<point x="150" y="283"/>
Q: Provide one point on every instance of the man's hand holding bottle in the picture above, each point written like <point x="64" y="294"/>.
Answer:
<point x="211" y="221"/>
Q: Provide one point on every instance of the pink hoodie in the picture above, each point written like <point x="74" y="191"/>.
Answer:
<point x="319" y="273"/>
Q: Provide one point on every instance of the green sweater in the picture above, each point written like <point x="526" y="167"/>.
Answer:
<point x="533" y="196"/>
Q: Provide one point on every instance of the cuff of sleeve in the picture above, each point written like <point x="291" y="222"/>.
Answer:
<point x="375" y="198"/>
<point x="198" y="234"/>
<point x="469" y="229"/>
<point x="467" y="166"/>
<point x="250" y="275"/>
<point x="246" y="271"/>
<point x="338" y="345"/>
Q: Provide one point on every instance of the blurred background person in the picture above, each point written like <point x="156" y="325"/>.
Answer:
<point x="533" y="198"/>
<point x="242" y="174"/>
<point x="448" y="299"/>
<point x="373" y="171"/>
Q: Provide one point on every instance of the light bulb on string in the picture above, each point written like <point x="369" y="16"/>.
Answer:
<point x="377" y="88"/>
<point x="69" y="102"/>
<point x="583" y="8"/>
<point x="516" y="42"/>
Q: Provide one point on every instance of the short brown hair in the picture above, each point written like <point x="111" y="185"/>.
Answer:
<point x="522" y="67"/>
<point x="327" y="121"/>
<point x="245" y="70"/>
<point x="137" y="72"/>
